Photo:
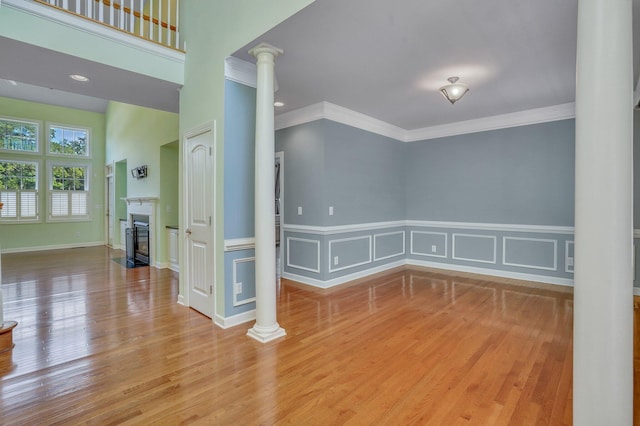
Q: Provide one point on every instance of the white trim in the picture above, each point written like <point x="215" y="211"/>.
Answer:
<point x="364" y="237"/>
<point x="502" y="121"/>
<point x="38" y="123"/>
<point x="636" y="291"/>
<point x="538" y="229"/>
<point x="567" y="282"/>
<point x="636" y="233"/>
<point x="237" y="302"/>
<point x="490" y="237"/>
<point x="361" y="121"/>
<point x="47" y="142"/>
<point x="546" y="268"/>
<point x="240" y="71"/>
<point x="329" y="111"/>
<point x="237" y="244"/>
<point x="232" y="321"/>
<point x="53" y="247"/>
<point x="446" y="240"/>
<point x="404" y="243"/>
<point x="139" y="200"/>
<point x="343" y="229"/>
<point x="181" y="300"/>
<point x="304" y="268"/>
<point x="345" y="278"/>
<point x="88" y="26"/>
<point x="566" y="256"/>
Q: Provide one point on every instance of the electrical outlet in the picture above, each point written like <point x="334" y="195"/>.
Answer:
<point x="434" y="248"/>
<point x="238" y="288"/>
<point x="330" y="210"/>
<point x="335" y="260"/>
<point x="299" y="210"/>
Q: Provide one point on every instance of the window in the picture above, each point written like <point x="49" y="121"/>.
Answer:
<point x="68" y="141"/>
<point x="18" y="135"/>
<point x="19" y="190"/>
<point x="69" y="192"/>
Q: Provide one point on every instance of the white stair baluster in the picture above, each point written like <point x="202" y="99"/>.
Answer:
<point x="65" y="4"/>
<point x="151" y="20"/>
<point x="177" y="35"/>
<point x="141" y="20"/>
<point x="131" y="16"/>
<point x="159" y="21"/>
<point x="111" y="14"/>
<point x="101" y="11"/>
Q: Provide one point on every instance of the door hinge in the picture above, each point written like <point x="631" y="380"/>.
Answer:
<point x="210" y="151"/>
<point x="210" y="289"/>
<point x="209" y="220"/>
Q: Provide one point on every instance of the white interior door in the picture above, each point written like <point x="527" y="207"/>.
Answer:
<point x="199" y="236"/>
<point x="109" y="204"/>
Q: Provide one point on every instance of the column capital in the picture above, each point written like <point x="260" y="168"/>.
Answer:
<point x="265" y="48"/>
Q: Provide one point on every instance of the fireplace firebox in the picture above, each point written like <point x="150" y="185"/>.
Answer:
<point x="138" y="241"/>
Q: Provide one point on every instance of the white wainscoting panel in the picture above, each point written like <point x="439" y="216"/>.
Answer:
<point x="332" y="242"/>
<point x="387" y="234"/>
<point x="430" y="254"/>
<point x="488" y="237"/>
<point x="553" y="246"/>
<point x="237" y="302"/>
<point x="304" y="268"/>
<point x="568" y="260"/>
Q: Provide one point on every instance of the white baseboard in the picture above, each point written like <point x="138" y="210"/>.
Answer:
<point x="567" y="282"/>
<point x="162" y="265"/>
<point x="232" y="321"/>
<point x="181" y="300"/>
<point x="636" y="291"/>
<point x="53" y="247"/>
<point x="346" y="278"/>
<point x="174" y="267"/>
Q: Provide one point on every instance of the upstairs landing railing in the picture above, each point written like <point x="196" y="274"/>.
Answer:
<point x="154" y="20"/>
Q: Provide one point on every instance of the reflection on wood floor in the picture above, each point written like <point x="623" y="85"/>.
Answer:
<point x="101" y="344"/>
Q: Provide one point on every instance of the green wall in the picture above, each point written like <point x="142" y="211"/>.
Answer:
<point x="136" y="134"/>
<point x="25" y="237"/>
<point x="213" y="30"/>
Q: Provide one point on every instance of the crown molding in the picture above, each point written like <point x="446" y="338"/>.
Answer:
<point x="329" y="111"/>
<point x="240" y="71"/>
<point x="502" y="121"/>
<point x="95" y="28"/>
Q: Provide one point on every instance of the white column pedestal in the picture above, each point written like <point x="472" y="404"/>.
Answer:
<point x="266" y="327"/>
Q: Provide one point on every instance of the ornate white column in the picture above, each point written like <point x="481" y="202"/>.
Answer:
<point x="266" y="327"/>
<point x="603" y="301"/>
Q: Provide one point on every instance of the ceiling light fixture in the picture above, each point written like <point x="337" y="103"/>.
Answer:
<point x="454" y="91"/>
<point x="278" y="104"/>
<point x="78" y="77"/>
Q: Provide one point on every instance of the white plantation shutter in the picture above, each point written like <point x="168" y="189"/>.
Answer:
<point x="10" y="200"/>
<point x="59" y="204"/>
<point x="79" y="203"/>
<point x="28" y="204"/>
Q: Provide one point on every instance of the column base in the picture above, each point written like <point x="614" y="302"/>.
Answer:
<point x="266" y="335"/>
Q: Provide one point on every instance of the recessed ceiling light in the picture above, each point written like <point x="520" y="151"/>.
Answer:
<point x="12" y="82"/>
<point x="78" y="77"/>
<point x="278" y="104"/>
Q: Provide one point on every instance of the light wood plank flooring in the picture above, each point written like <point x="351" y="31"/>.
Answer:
<point x="100" y="344"/>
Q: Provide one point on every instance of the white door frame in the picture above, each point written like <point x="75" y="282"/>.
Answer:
<point x="109" y="205"/>
<point x="280" y="155"/>
<point x="184" y="267"/>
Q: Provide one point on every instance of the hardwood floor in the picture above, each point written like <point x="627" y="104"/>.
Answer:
<point x="100" y="344"/>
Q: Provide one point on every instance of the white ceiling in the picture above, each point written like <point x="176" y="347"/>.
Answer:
<point x="387" y="59"/>
<point x="382" y="58"/>
<point x="45" y="75"/>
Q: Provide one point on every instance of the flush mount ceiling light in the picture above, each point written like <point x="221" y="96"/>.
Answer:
<point x="454" y="91"/>
<point x="78" y="77"/>
<point x="278" y="104"/>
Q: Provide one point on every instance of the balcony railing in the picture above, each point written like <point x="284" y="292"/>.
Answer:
<point x="154" y="20"/>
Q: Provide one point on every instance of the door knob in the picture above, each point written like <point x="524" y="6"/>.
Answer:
<point x="188" y="231"/>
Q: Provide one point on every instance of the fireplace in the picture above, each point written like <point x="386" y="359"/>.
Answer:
<point x="138" y="241"/>
<point x="142" y="210"/>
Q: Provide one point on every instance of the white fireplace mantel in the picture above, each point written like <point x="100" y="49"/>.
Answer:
<point x="139" y="200"/>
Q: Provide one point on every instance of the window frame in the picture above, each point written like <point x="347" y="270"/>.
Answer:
<point x="50" y="125"/>
<point x="50" y="191"/>
<point x="18" y="219"/>
<point x="36" y="123"/>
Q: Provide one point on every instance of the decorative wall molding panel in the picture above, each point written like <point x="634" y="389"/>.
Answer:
<point x="568" y="256"/>
<point x="245" y="285"/>
<point x="462" y="250"/>
<point x="310" y="268"/>
<point x="388" y="235"/>
<point x="351" y="248"/>
<point x="433" y="239"/>
<point x="517" y="245"/>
